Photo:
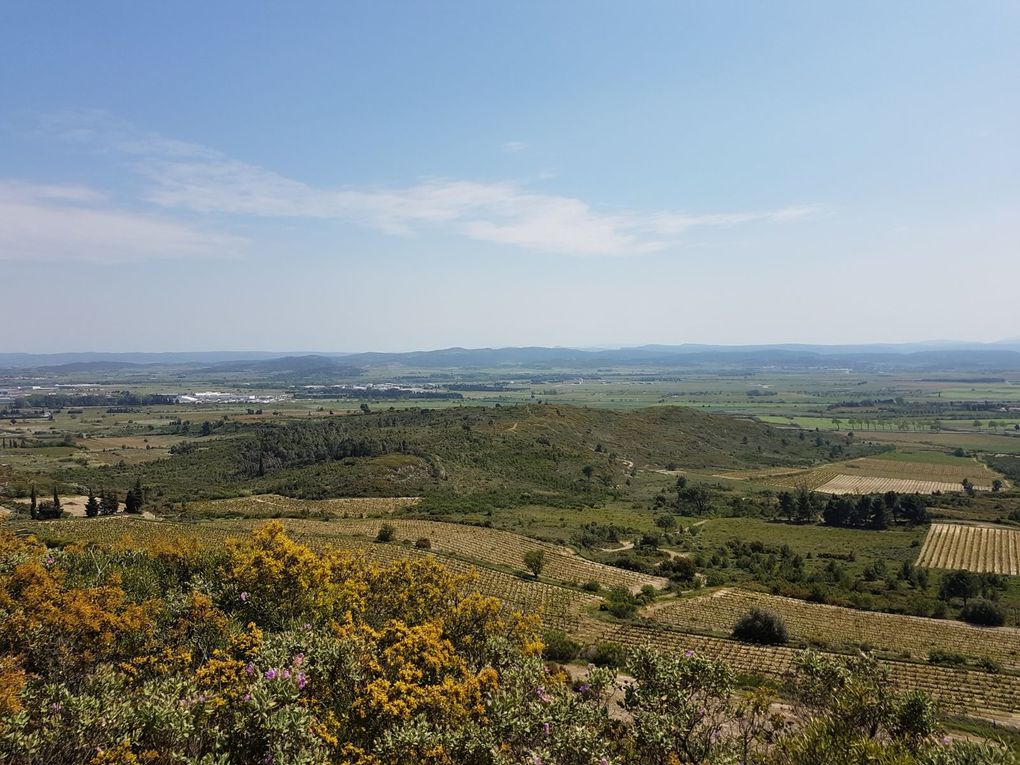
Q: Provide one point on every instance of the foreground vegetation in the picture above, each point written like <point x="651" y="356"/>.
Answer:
<point x="266" y="651"/>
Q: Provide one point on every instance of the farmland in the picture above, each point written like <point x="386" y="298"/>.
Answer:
<point x="569" y="610"/>
<point x="592" y="473"/>
<point x="972" y="547"/>
<point x="833" y="627"/>
<point x="867" y="484"/>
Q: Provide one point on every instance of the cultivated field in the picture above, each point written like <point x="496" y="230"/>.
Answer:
<point x="974" y="548"/>
<point x="505" y="549"/>
<point x="974" y="691"/>
<point x="861" y="484"/>
<point x="274" y="504"/>
<point x="565" y="609"/>
<point x="911" y="637"/>
<point x="906" y="473"/>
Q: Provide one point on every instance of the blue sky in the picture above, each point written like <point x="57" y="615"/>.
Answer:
<point x="392" y="176"/>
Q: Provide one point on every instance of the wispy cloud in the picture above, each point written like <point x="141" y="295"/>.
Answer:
<point x="514" y="147"/>
<point x="190" y="177"/>
<point x="67" y="223"/>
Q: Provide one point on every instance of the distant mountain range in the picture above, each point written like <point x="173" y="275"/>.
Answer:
<point x="1001" y="356"/>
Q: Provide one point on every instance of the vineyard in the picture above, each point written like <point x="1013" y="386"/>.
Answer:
<point x="872" y="475"/>
<point x="505" y="549"/>
<point x="262" y="504"/>
<point x="862" y="484"/>
<point x="566" y="609"/>
<point x="910" y="637"/>
<point x="955" y="688"/>
<point x="974" y="548"/>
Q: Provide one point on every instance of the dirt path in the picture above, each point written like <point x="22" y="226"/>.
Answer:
<point x="628" y="545"/>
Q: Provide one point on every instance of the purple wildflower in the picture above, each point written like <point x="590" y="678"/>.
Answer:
<point x="56" y="706"/>
<point x="545" y="729"/>
<point x="302" y="681"/>
<point x="244" y="597"/>
<point x="246" y="697"/>
<point x="249" y="668"/>
<point x="944" y="740"/>
<point x="286" y="674"/>
<point x="688" y="653"/>
<point x="270" y="674"/>
<point x="542" y="695"/>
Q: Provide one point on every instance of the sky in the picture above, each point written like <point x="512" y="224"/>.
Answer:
<point x="396" y="175"/>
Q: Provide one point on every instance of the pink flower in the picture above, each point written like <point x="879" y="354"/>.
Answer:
<point x="246" y="697"/>
<point x="286" y="674"/>
<point x="542" y="695"/>
<point x="244" y="597"/>
<point x="298" y="660"/>
<point x="545" y="729"/>
<point x="688" y="653"/>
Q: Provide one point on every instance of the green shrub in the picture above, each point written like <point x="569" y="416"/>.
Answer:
<point x="760" y="625"/>
<point x="558" y="647"/>
<point x="983" y="612"/>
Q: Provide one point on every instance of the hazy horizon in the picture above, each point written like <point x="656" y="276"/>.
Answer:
<point x="403" y="177"/>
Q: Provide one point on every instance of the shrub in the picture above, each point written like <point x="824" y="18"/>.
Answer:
<point x="387" y="533"/>
<point x="423" y="543"/>
<point x="558" y="647"/>
<point x="761" y="626"/>
<point x="983" y="612"/>
<point x="607" y="655"/>
<point x="620" y="603"/>
<point x="591" y="586"/>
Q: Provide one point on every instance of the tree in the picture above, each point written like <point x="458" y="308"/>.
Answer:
<point x="387" y="533"/>
<point x="959" y="584"/>
<point x="535" y="561"/>
<point x="983" y="612"/>
<point x="997" y="485"/>
<point x="108" y="503"/>
<point x="760" y="625"/>
<point x="133" y="499"/>
<point x="588" y="470"/>
<point x="56" y="499"/>
<point x="34" y="510"/>
<point x="92" y="505"/>
<point x="665" y="522"/>
<point x="786" y="505"/>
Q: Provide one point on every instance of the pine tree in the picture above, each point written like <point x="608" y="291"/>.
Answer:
<point x="34" y="511"/>
<point x="56" y="499"/>
<point x="92" y="505"/>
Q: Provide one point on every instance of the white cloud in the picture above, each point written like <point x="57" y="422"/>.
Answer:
<point x="64" y="223"/>
<point x="514" y="147"/>
<point x="190" y="177"/>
